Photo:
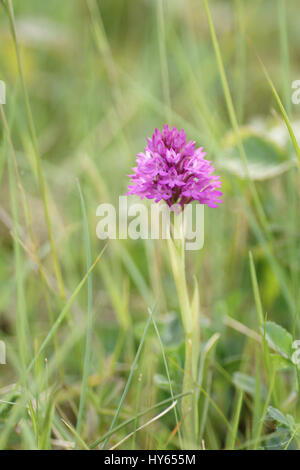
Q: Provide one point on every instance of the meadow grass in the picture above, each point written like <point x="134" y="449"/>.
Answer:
<point x="128" y="344"/>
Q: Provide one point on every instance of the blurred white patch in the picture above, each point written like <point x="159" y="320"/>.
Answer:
<point x="280" y="133"/>
<point x="296" y="354"/>
<point x="2" y="92"/>
<point x="39" y="31"/>
<point x="2" y="353"/>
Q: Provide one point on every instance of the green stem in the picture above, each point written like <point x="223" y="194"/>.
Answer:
<point x="189" y="413"/>
<point x="191" y="327"/>
<point x="262" y="419"/>
<point x="163" y="57"/>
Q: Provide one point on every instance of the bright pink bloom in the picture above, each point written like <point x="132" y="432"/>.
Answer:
<point x="174" y="170"/>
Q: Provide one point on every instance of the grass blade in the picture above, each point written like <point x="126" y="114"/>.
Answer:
<point x="152" y="420"/>
<point x="281" y="108"/>
<point x="41" y="180"/>
<point x="75" y="433"/>
<point x="90" y="314"/>
<point x="65" y="310"/>
<point x="256" y="290"/>
<point x="169" y="379"/>
<point x="234" y="122"/>
<point x="236" y="419"/>
<point x="131" y="374"/>
<point x="163" y="55"/>
<point x="139" y="415"/>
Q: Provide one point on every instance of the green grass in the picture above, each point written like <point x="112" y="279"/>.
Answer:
<point x="87" y="366"/>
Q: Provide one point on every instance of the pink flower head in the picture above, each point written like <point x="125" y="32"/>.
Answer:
<point x="174" y="170"/>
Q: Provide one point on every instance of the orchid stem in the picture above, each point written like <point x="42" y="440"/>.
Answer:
<point x="190" y="322"/>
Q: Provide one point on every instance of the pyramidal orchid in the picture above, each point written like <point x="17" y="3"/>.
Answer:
<point x="172" y="169"/>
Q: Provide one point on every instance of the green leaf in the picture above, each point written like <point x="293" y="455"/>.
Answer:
<point x="279" y="417"/>
<point x="265" y="158"/>
<point x="248" y="384"/>
<point x="280" y="440"/>
<point x="162" y="382"/>
<point x="281" y="362"/>
<point x="278" y="338"/>
<point x="244" y="382"/>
